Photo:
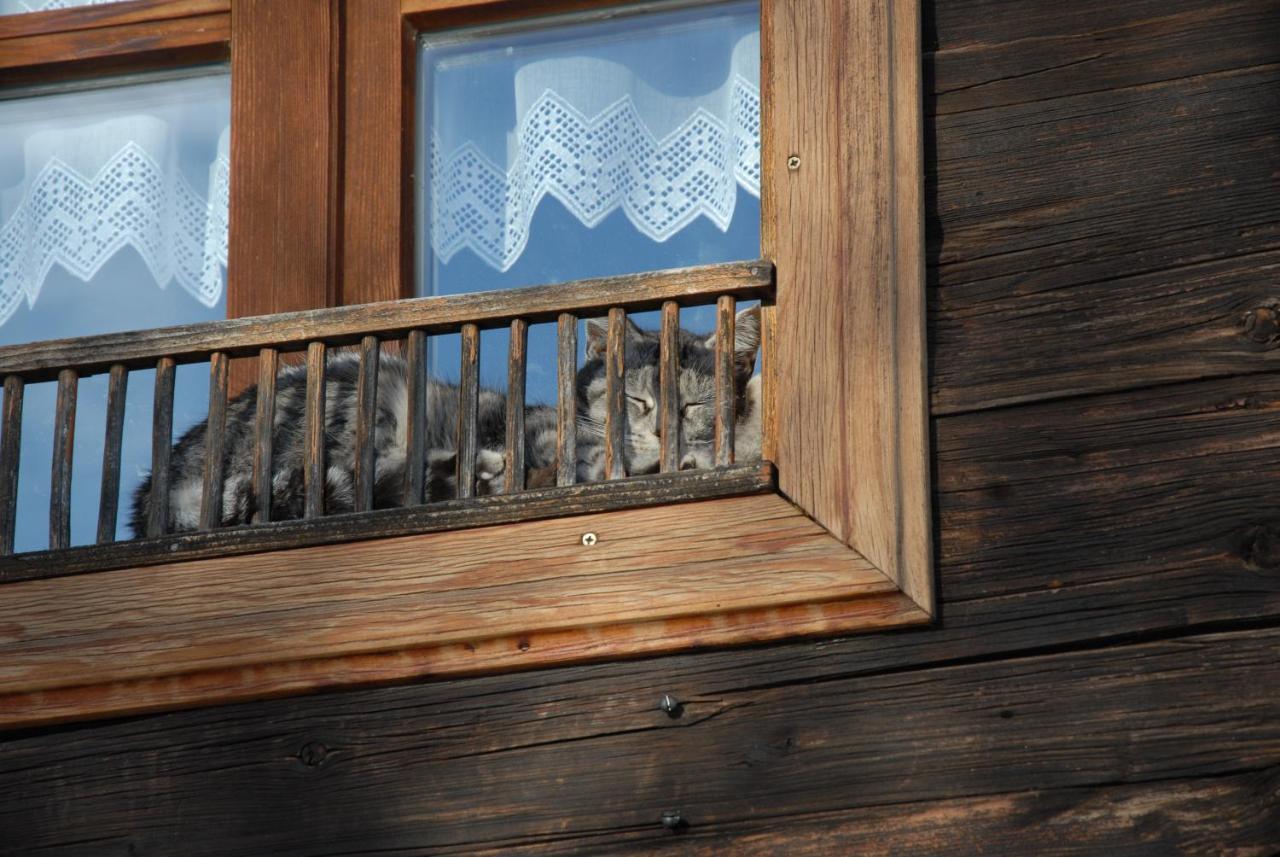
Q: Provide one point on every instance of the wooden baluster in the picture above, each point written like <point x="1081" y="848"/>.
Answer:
<point x="109" y="496"/>
<point x="566" y="399"/>
<point x="517" y="357"/>
<point x="468" y="406"/>
<point x="669" y="387"/>
<point x="214" y="442"/>
<point x="366" y="422"/>
<point x="64" y="434"/>
<point x="768" y="382"/>
<point x="416" y="431"/>
<point x="313" y="455"/>
<point x="10" y="453"/>
<point x="615" y="396"/>
<point x="264" y="433"/>
<point x="161" y="442"/>
<point x="725" y="387"/>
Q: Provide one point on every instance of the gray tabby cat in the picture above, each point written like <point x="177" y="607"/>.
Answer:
<point x="643" y="443"/>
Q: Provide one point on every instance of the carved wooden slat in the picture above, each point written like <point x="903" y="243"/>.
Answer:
<point x="314" y="453"/>
<point x="214" y="443"/>
<point x="64" y="432"/>
<point x="10" y="455"/>
<point x="263" y="434"/>
<point x="161" y="441"/>
<point x="615" y="396"/>
<point x="725" y="390"/>
<point x="669" y="387"/>
<point x="416" y="430"/>
<point x="468" y="406"/>
<point x="109" y="496"/>
<point x="516" y="370"/>
<point x="366" y="422"/>
<point x="566" y="399"/>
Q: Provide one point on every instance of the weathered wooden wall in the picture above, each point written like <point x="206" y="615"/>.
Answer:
<point x="1105" y="266"/>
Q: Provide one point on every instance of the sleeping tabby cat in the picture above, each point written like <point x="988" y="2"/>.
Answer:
<point x="643" y="443"/>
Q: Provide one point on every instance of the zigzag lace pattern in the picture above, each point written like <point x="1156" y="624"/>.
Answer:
<point x="80" y="222"/>
<point x="595" y="165"/>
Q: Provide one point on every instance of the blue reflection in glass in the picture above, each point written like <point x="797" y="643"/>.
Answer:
<point x="191" y="116"/>
<point x="475" y="89"/>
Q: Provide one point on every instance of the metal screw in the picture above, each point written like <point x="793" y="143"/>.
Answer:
<point x="589" y="539"/>
<point x="672" y="706"/>
<point x="793" y="163"/>
<point x="672" y="819"/>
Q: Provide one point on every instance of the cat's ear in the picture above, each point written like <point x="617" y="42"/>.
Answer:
<point x="598" y="336"/>
<point x="746" y="340"/>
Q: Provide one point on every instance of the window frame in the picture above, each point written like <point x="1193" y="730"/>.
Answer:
<point x="322" y="103"/>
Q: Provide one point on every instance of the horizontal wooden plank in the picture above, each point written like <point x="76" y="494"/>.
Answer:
<point x="1233" y="813"/>
<point x="426" y="767"/>
<point x="1106" y="240"/>
<point x="243" y="337"/>
<point x="980" y="60"/>
<point x="44" y="57"/>
<point x="713" y="557"/>
<point x="67" y="20"/>
<point x="631" y="493"/>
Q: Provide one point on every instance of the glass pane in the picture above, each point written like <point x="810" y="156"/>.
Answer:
<point x="113" y="216"/>
<point x="588" y="146"/>
<point x="15" y="7"/>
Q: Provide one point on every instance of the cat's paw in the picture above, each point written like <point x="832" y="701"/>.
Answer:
<point x="490" y="472"/>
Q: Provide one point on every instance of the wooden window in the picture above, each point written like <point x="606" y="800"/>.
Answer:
<point x="832" y="537"/>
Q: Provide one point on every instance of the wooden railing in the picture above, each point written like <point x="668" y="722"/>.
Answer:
<point x="371" y="328"/>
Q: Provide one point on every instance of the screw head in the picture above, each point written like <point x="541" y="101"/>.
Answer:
<point x="672" y="706"/>
<point x="793" y="163"/>
<point x="589" y="539"/>
<point x="672" y="819"/>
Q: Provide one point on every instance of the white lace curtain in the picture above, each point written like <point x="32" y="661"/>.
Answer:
<point x="86" y="174"/>
<point x="616" y="127"/>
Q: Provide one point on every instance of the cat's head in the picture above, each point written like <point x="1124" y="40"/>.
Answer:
<point x="696" y="389"/>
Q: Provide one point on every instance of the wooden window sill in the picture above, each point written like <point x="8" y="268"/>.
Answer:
<point x="707" y="572"/>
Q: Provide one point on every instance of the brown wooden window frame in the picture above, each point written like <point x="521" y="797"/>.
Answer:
<point x="322" y="216"/>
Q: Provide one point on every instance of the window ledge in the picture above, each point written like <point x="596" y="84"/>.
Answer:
<point x="671" y="577"/>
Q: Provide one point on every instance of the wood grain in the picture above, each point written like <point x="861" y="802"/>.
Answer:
<point x="167" y="35"/>
<point x="441" y="516"/>
<point x="313" y="465"/>
<point x="10" y="458"/>
<point x="468" y="410"/>
<point x="842" y="147"/>
<point x="299" y="605"/>
<point x="517" y="356"/>
<point x="1037" y="724"/>
<point x="378" y="153"/>
<point x="214" y="443"/>
<point x="615" y="396"/>
<point x="366" y="422"/>
<point x="284" y="144"/>
<point x="416" y="430"/>
<point x="161" y="441"/>
<point x="64" y="433"/>
<point x="109" y="494"/>
<point x="292" y="331"/>
<point x="566" y="399"/>
<point x="105" y="15"/>
<point x="264" y="434"/>
<point x="726" y="389"/>
<point x="668" y="387"/>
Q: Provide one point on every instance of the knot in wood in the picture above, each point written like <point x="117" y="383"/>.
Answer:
<point x="1262" y="325"/>
<point x="312" y="753"/>
<point x="1260" y="548"/>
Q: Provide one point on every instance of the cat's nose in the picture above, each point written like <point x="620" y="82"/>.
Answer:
<point x="689" y="462"/>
